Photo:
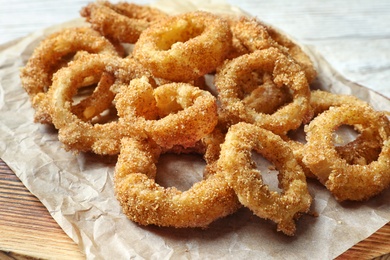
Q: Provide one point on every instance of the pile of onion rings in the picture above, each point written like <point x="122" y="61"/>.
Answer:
<point x="140" y="83"/>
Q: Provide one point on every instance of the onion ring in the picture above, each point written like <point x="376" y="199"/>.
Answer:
<point x="345" y="181"/>
<point x="147" y="203"/>
<point x="251" y="34"/>
<point x="255" y="35"/>
<point x="234" y="75"/>
<point x="243" y="176"/>
<point x="322" y="100"/>
<point x="122" y="21"/>
<point x="172" y="114"/>
<point x="294" y="50"/>
<point x="363" y="150"/>
<point x="238" y="48"/>
<point x="36" y="75"/>
<point x="184" y="47"/>
<point x="74" y="133"/>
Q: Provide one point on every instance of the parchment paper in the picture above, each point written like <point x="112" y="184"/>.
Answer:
<point x="78" y="191"/>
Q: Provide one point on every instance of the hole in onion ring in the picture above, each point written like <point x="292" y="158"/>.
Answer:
<point x="353" y="147"/>
<point x="94" y="98"/>
<point x="258" y="91"/>
<point x="82" y="93"/>
<point x="344" y="134"/>
<point x="179" y="171"/>
<point x="297" y="135"/>
<point x="269" y="174"/>
<point x="108" y="115"/>
<point x="89" y="112"/>
<point x="268" y="99"/>
<point x="209" y="84"/>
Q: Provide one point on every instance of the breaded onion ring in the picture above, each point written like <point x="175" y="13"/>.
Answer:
<point x="346" y="181"/>
<point x="122" y="21"/>
<point x="251" y="34"/>
<point x="321" y="101"/>
<point x="171" y="114"/>
<point x="234" y="75"/>
<point x="238" y="48"/>
<point x="295" y="51"/>
<point x="363" y="150"/>
<point x="184" y="47"/>
<point x="74" y="133"/>
<point x="147" y="203"/>
<point x="244" y="177"/>
<point x="48" y="57"/>
<point x="255" y="35"/>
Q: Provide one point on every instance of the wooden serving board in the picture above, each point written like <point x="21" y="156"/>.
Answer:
<point x="27" y="231"/>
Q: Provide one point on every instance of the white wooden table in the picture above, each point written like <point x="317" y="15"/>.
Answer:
<point x="354" y="36"/>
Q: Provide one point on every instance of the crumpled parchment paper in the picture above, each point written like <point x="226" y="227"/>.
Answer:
<point x="78" y="189"/>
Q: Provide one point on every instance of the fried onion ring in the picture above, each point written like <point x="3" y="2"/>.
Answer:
<point x="256" y="35"/>
<point x="362" y="150"/>
<point x="322" y="100"/>
<point x="343" y="180"/>
<point x="235" y="74"/>
<point x="147" y="203"/>
<point x="184" y="47"/>
<point x="47" y="58"/>
<point x="294" y="50"/>
<point x="172" y="114"/>
<point x="74" y="133"/>
<point x="122" y="21"/>
<point x="251" y="34"/>
<point x="244" y="177"/>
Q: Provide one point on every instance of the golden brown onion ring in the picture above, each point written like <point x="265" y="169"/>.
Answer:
<point x="122" y="21"/>
<point x="346" y="181"/>
<point x="47" y="58"/>
<point x="256" y="35"/>
<point x="184" y="47"/>
<point x="251" y="34"/>
<point x="363" y="150"/>
<point x="235" y="74"/>
<point x="322" y="100"/>
<point x="74" y="133"/>
<point x="244" y="177"/>
<point x="147" y="203"/>
<point x="171" y="114"/>
<point x="294" y="50"/>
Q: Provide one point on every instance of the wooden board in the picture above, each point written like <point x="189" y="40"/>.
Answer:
<point x="26" y="227"/>
<point x="27" y="230"/>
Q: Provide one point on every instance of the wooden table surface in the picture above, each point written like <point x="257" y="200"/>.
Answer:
<point x="27" y="229"/>
<point x="355" y="37"/>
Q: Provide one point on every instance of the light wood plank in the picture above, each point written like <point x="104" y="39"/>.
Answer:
<point x="26" y="227"/>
